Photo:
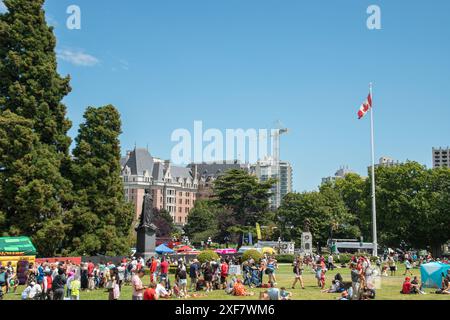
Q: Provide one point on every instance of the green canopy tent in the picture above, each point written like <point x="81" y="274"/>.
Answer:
<point x="14" y="246"/>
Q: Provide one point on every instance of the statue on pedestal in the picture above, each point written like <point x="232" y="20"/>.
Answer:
<point x="306" y="225"/>
<point x="146" y="230"/>
<point x="307" y="237"/>
<point x="146" y="217"/>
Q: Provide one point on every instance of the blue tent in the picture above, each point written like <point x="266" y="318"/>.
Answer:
<point x="431" y="274"/>
<point x="161" y="249"/>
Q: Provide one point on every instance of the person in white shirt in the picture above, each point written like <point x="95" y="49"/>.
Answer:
<point x="330" y="262"/>
<point x="31" y="292"/>
<point x="161" y="291"/>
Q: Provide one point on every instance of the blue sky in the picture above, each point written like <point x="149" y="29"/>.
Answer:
<point x="247" y="63"/>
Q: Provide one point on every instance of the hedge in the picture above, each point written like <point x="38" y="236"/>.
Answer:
<point x="255" y="254"/>
<point x="344" y="258"/>
<point x="285" y="258"/>
<point x="207" y="255"/>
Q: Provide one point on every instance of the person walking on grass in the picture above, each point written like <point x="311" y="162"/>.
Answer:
<point x="408" y="267"/>
<point x="392" y="266"/>
<point x="298" y="272"/>
<point x="194" y="274"/>
<point x="355" y="276"/>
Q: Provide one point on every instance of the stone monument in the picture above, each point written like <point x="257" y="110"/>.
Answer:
<point x="146" y="230"/>
<point x="306" y="238"/>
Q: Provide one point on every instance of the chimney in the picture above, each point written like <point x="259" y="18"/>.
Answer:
<point x="194" y="169"/>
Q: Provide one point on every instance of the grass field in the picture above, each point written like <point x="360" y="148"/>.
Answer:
<point x="389" y="289"/>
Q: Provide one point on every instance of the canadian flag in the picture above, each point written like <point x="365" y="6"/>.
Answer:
<point x="365" y="106"/>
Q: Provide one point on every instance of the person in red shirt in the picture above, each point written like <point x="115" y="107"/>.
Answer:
<point x="90" y="268"/>
<point x="164" y="269"/>
<point x="223" y="273"/>
<point x="406" y="289"/>
<point x="150" y="292"/>
<point x="153" y="269"/>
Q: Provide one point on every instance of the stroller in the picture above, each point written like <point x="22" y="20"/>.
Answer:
<point x="253" y="278"/>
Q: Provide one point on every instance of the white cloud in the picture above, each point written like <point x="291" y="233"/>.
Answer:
<point x="77" y="57"/>
<point x="51" y="20"/>
<point x="124" y="64"/>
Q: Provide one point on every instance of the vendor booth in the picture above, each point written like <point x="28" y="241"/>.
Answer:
<point x="20" y="251"/>
<point x="432" y="274"/>
<point x="163" y="249"/>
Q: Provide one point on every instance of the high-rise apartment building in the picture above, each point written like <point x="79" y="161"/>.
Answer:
<point x="266" y="169"/>
<point x="340" y="174"/>
<point x="441" y="157"/>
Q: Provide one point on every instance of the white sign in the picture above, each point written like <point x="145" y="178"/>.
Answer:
<point x="235" y="270"/>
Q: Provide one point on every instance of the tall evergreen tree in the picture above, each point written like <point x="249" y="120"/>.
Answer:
<point x="101" y="219"/>
<point x="35" y="194"/>
<point x="30" y="85"/>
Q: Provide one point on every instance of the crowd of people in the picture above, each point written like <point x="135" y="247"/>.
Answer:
<point x="150" y="279"/>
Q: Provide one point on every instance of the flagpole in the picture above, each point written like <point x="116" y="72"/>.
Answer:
<point x="374" y="207"/>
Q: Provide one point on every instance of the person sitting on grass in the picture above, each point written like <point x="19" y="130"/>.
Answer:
<point x="230" y="285"/>
<point x="150" y="292"/>
<point x="239" y="289"/>
<point x="368" y="292"/>
<point x="406" y="287"/>
<point x="334" y="287"/>
<point x="284" y="294"/>
<point x="416" y="288"/>
<point x="161" y="291"/>
<point x="445" y="286"/>
<point x="273" y="292"/>
<point x="32" y="292"/>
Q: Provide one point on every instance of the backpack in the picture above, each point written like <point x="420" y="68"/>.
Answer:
<point x="3" y="278"/>
<point x="182" y="274"/>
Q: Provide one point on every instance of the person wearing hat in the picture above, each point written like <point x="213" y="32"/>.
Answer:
<point x="32" y="292"/>
<point x="406" y="288"/>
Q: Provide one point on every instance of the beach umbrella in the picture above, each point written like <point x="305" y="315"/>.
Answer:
<point x="268" y="250"/>
<point x="184" y="249"/>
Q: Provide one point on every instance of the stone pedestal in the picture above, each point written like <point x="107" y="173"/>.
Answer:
<point x="307" y="243"/>
<point x="146" y="242"/>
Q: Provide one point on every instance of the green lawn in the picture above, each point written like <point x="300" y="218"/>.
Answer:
<point x="389" y="289"/>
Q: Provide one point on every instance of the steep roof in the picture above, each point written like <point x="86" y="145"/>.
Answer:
<point x="180" y="172"/>
<point x="140" y="160"/>
<point x="214" y="170"/>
